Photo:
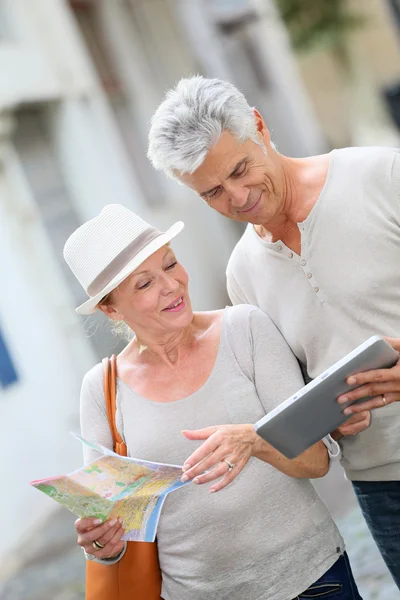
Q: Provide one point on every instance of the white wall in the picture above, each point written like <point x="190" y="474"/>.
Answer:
<point x="50" y="355"/>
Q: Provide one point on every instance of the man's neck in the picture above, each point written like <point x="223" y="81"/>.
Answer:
<point x="304" y="181"/>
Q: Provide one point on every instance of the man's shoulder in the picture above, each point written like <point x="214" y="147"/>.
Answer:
<point x="238" y="259"/>
<point x="367" y="160"/>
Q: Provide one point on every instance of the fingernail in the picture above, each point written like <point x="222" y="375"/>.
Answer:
<point x="196" y="480"/>
<point x="351" y="380"/>
<point x="347" y="411"/>
<point x="112" y="522"/>
<point x="184" y="478"/>
<point x="343" y="400"/>
<point x="212" y="491"/>
<point x="185" y="467"/>
<point x="97" y="521"/>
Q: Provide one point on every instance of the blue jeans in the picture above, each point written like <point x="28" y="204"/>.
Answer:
<point x="380" y="504"/>
<point x="336" y="584"/>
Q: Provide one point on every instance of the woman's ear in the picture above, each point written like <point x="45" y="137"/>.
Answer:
<point x="110" y="312"/>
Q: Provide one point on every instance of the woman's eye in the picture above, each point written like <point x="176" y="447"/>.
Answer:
<point x="143" y="285"/>
<point x="172" y="265"/>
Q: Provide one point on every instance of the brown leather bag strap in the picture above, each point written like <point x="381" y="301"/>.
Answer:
<point x="110" y="394"/>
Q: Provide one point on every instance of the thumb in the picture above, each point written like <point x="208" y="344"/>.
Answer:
<point x="394" y="342"/>
<point x="199" y="434"/>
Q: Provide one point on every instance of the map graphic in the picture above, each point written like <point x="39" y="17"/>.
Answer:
<point x="114" y="486"/>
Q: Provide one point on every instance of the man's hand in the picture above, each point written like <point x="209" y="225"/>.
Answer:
<point x="357" y="423"/>
<point x="382" y="384"/>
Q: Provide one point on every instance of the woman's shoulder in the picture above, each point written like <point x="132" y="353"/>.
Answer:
<point x="245" y="315"/>
<point x="92" y="382"/>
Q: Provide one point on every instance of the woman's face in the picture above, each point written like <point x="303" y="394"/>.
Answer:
<point x="155" y="297"/>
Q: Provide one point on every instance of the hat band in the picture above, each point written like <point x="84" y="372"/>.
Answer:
<point x="121" y="260"/>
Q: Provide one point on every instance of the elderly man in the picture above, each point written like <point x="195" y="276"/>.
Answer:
<point x="320" y="255"/>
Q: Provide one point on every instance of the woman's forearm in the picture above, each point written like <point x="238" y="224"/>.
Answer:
<point x="312" y="463"/>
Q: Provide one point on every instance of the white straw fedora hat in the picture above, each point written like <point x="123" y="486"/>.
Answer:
<point x="105" y="250"/>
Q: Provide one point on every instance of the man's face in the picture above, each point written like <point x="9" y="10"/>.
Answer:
<point x="242" y="181"/>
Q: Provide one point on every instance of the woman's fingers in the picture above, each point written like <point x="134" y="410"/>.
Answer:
<point x="211" y="443"/>
<point x="112" y="548"/>
<point x="229" y="476"/>
<point x="102" y="533"/>
<point x="218" y="471"/>
<point x="82" y="525"/>
<point x="212" y="459"/>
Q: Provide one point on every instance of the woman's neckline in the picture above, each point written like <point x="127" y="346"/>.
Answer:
<point x="206" y="383"/>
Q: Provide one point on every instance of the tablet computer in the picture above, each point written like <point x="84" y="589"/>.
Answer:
<point x="313" y="412"/>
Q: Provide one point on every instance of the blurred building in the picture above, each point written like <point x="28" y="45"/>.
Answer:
<point x="80" y="81"/>
<point x="358" y="103"/>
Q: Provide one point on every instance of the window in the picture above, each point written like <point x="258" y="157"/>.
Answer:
<point x="8" y="374"/>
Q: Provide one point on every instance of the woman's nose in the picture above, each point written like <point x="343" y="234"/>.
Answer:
<point x="170" y="284"/>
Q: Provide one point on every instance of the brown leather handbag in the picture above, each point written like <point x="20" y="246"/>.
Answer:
<point x="137" y="575"/>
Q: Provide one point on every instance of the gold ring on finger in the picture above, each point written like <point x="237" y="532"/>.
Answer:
<point x="384" y="401"/>
<point x="96" y="544"/>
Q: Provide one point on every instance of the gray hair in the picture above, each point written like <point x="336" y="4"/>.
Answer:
<point x="192" y="118"/>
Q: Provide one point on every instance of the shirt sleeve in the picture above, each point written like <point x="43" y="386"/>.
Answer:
<point x="395" y="175"/>
<point x="235" y="292"/>
<point x="277" y="374"/>
<point x="93" y="415"/>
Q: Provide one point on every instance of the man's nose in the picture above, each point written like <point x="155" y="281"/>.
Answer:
<point x="238" y="196"/>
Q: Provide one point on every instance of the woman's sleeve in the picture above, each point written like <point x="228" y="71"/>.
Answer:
<point x="93" y="416"/>
<point x="277" y="373"/>
<point x="276" y="370"/>
<point x="95" y="428"/>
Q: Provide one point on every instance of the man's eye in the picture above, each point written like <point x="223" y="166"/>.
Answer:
<point x="214" y="194"/>
<point x="241" y="171"/>
<point x="172" y="265"/>
<point x="143" y="285"/>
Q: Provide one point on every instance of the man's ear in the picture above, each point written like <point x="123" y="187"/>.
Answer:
<point x="262" y="129"/>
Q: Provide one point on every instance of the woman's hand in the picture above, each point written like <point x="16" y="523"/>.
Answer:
<point x="382" y="384"/>
<point x="225" y="452"/>
<point x="107" y="534"/>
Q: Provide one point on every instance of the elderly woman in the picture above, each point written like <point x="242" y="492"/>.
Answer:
<point x="203" y="376"/>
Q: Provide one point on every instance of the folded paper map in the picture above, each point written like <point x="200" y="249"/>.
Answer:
<point x="114" y="486"/>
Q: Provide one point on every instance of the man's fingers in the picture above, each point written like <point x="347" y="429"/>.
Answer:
<point x="356" y="427"/>
<point x="370" y="390"/>
<point x="371" y="404"/>
<point x="394" y="342"/>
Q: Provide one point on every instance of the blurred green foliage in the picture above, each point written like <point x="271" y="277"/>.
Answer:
<point x="320" y="24"/>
